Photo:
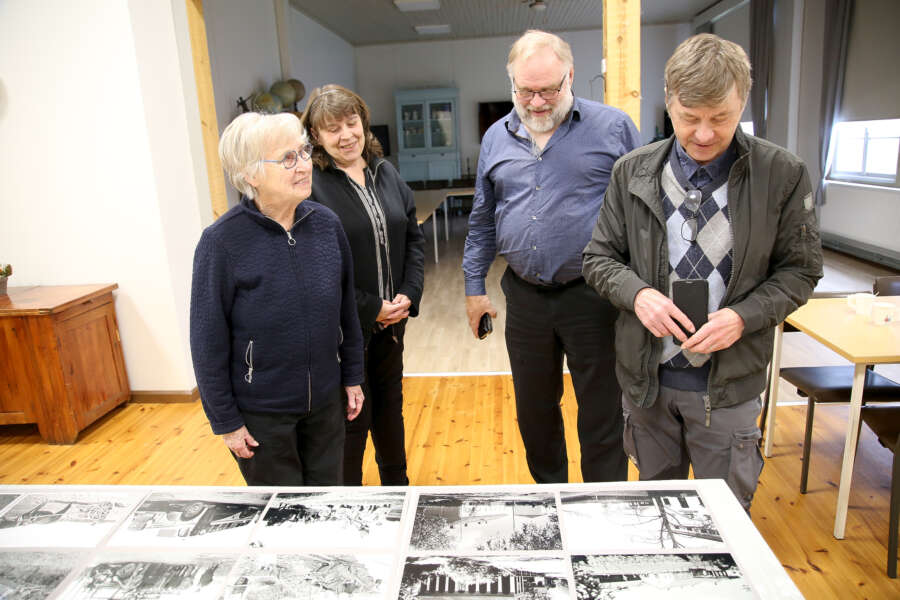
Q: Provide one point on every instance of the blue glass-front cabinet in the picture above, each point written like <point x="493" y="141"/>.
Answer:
<point x="427" y="133"/>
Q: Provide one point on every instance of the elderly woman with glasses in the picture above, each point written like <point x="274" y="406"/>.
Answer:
<point x="275" y="338"/>
<point x="376" y="208"/>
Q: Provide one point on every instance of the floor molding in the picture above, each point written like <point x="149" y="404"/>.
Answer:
<point x="165" y="397"/>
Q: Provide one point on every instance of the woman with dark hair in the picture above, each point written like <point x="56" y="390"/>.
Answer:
<point x="378" y="214"/>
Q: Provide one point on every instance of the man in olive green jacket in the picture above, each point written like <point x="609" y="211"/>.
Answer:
<point x="709" y="204"/>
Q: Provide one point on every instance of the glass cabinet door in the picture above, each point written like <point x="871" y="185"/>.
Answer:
<point x="412" y="126"/>
<point x="440" y="124"/>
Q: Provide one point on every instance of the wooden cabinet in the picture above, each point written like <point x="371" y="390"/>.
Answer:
<point x="61" y="363"/>
<point x="427" y="134"/>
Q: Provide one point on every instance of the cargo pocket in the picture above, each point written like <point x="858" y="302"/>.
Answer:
<point x="746" y="465"/>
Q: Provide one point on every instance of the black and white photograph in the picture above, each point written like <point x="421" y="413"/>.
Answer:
<point x="486" y="522"/>
<point x="360" y="519"/>
<point x="60" y="519"/>
<point x="298" y="576"/>
<point x="637" y="520"/>
<point x="33" y="575"/>
<point x="157" y="575"/>
<point x="193" y="519"/>
<point x="518" y="577"/>
<point x="670" y="576"/>
<point x="6" y="500"/>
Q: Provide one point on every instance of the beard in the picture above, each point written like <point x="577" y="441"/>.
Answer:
<point x="545" y="123"/>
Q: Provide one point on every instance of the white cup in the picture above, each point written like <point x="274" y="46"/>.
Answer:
<point x="861" y="303"/>
<point x="883" y="313"/>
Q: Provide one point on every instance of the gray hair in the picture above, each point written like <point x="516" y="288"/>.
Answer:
<point x="703" y="69"/>
<point x="245" y="141"/>
<point x="535" y="40"/>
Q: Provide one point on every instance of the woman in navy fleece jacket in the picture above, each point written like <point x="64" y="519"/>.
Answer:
<point x="274" y="328"/>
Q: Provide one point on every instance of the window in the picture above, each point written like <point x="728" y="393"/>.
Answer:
<point x="866" y="151"/>
<point x="747" y="127"/>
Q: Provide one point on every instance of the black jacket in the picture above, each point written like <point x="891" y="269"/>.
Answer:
<point x="272" y="322"/>
<point x="332" y="188"/>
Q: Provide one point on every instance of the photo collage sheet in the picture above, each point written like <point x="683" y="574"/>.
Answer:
<point x="525" y="542"/>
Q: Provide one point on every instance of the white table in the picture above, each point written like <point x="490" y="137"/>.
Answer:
<point x="831" y="322"/>
<point x="427" y="203"/>
<point x="214" y="541"/>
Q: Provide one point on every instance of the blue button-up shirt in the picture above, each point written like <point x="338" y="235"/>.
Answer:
<point x="537" y="208"/>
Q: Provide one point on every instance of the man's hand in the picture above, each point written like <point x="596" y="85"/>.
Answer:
<point x="394" y="311"/>
<point x="355" y="400"/>
<point x="240" y="442"/>
<point x="722" y="330"/>
<point x="658" y="314"/>
<point x="477" y="306"/>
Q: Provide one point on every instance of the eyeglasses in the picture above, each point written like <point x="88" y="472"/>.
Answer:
<point x="289" y="160"/>
<point x="548" y="95"/>
<point x="690" y="226"/>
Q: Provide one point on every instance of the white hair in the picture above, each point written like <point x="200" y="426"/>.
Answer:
<point x="535" y="40"/>
<point x="245" y="141"/>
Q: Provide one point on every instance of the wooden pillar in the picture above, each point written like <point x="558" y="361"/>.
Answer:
<point x="622" y="53"/>
<point x="207" y="101"/>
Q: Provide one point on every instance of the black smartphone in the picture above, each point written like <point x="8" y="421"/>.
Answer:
<point x="485" y="326"/>
<point x="692" y="297"/>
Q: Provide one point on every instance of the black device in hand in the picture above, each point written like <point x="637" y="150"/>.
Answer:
<point x="691" y="296"/>
<point x="485" y="326"/>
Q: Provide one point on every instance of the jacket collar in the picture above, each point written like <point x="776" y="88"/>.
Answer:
<point x="303" y="210"/>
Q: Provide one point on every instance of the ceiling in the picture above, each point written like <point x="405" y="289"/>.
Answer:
<point x="363" y="22"/>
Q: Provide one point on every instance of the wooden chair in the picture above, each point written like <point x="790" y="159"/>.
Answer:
<point x="833" y="384"/>
<point x="884" y="421"/>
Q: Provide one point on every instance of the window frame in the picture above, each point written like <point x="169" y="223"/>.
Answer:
<point x="861" y="176"/>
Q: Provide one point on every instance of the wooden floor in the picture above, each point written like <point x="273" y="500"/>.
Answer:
<point x="461" y="429"/>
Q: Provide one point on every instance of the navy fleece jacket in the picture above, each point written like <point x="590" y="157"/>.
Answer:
<point x="274" y="326"/>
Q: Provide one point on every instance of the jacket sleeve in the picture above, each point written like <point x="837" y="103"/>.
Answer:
<point x="414" y="260"/>
<point x="351" y="348"/>
<point x="481" y="242"/>
<point x="795" y="264"/>
<point x="212" y="295"/>
<point x="606" y="256"/>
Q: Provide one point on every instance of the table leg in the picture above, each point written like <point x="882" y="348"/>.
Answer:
<point x="434" y="231"/>
<point x="843" y="502"/>
<point x="446" y="227"/>
<point x="773" y="390"/>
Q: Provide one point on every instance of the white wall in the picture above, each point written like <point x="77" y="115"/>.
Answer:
<point x="477" y="67"/>
<point x="243" y="55"/>
<point x="99" y="184"/>
<point x="318" y="56"/>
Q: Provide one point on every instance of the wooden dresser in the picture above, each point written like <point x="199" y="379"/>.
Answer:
<point x="61" y="363"/>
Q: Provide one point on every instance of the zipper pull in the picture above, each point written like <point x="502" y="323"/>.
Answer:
<point x="706" y="405"/>
<point x="291" y="240"/>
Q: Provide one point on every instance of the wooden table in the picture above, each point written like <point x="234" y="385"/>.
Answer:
<point x="427" y="203"/>
<point x="831" y="322"/>
<point x="61" y="363"/>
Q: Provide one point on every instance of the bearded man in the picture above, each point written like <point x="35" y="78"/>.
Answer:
<point x="542" y="173"/>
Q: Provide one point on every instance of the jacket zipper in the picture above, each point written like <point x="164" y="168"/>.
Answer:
<point x="248" y="358"/>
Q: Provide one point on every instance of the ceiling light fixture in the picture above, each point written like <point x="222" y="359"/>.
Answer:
<point x="536" y="5"/>
<point x="432" y="29"/>
<point x="416" y="5"/>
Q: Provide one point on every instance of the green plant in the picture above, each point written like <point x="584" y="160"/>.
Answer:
<point x="5" y="270"/>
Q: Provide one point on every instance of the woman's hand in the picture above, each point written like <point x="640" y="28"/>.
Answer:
<point x="394" y="311"/>
<point x="240" y="442"/>
<point x="354" y="401"/>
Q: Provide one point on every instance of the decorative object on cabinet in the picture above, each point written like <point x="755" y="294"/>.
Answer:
<point x="5" y="272"/>
<point x="281" y="96"/>
<point x="427" y="134"/>
<point x="61" y="362"/>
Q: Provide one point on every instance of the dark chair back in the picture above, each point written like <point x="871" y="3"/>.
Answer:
<point x="887" y="286"/>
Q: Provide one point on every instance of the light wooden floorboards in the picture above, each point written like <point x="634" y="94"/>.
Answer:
<point x="462" y="430"/>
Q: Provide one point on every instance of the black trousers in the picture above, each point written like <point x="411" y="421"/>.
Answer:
<point x="296" y="449"/>
<point x="382" y="411"/>
<point x="542" y="324"/>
